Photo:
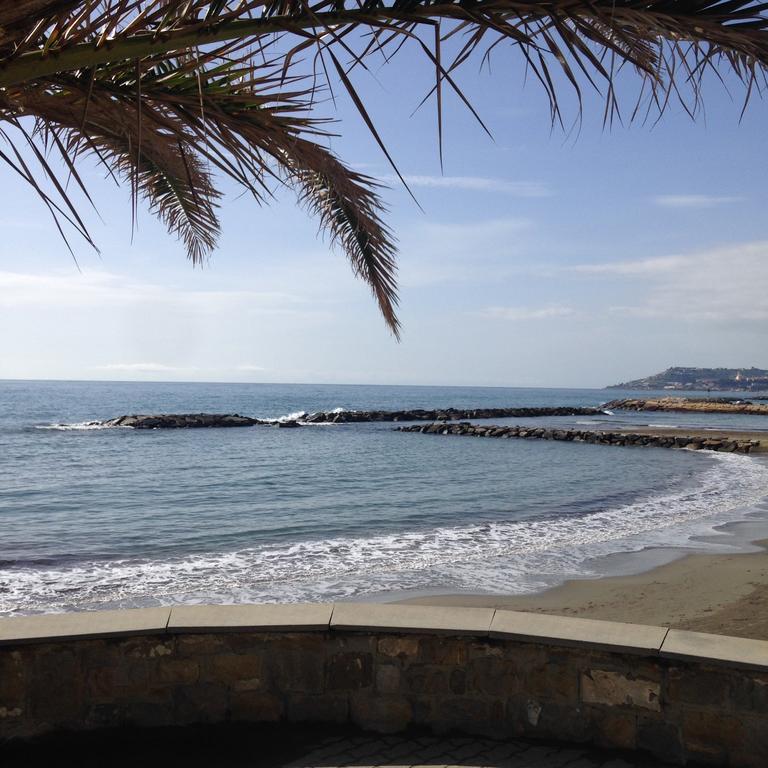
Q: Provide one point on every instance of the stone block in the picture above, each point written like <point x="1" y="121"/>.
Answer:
<point x="749" y="692"/>
<point x="614" y="729"/>
<point x="443" y="650"/>
<point x="175" y="672"/>
<point x="308" y="617"/>
<point x="567" y="631"/>
<point x="404" y="647"/>
<point x="411" y="618"/>
<point x="493" y="676"/>
<point x="615" y="689"/>
<point x="349" y="671"/>
<point x="710" y="736"/>
<point x="201" y="645"/>
<point x="737" y="652"/>
<point x="387" y="678"/>
<point x="700" y="687"/>
<point x="256" y="707"/>
<point x="421" y="679"/>
<point x="231" y="668"/>
<point x="552" y="682"/>
<point x="13" y="680"/>
<point x="292" y="669"/>
<point x="60" y="626"/>
<point x="140" y="647"/>
<point x="752" y="751"/>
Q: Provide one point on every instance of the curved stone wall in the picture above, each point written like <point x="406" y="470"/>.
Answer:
<point x="682" y="696"/>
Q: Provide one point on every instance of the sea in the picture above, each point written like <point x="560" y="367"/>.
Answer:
<point x="95" y="518"/>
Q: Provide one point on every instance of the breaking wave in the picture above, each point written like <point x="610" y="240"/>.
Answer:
<point x="78" y="426"/>
<point x="497" y="556"/>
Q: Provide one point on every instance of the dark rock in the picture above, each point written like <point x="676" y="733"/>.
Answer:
<point x="182" y="421"/>
<point x="601" y="438"/>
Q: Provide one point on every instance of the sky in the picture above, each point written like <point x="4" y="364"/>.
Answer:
<point x="542" y="257"/>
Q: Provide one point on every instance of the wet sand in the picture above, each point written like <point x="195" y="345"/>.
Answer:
<point x="723" y="594"/>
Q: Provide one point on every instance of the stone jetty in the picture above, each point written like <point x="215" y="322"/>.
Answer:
<point x="700" y="405"/>
<point x="444" y="414"/>
<point x="182" y="421"/>
<point x="693" y="442"/>
<point x="193" y="420"/>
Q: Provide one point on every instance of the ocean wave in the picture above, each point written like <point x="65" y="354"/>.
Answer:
<point x="78" y="426"/>
<point x="497" y="556"/>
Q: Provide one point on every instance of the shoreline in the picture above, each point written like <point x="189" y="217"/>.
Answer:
<point x="723" y="593"/>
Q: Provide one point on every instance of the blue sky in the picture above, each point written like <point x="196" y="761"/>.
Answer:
<point x="543" y="258"/>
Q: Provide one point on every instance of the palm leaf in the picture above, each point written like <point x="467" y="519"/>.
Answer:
<point x="167" y="92"/>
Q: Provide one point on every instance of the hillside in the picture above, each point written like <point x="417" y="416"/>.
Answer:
<point x="723" y="379"/>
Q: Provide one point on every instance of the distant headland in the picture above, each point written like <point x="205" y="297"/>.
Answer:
<point x="703" y="379"/>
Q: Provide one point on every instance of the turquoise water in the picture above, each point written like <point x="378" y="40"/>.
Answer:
<point x="116" y="517"/>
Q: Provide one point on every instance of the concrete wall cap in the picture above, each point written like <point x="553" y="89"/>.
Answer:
<point x="268" y="617"/>
<point x="568" y="631"/>
<point x="438" y="620"/>
<point x="739" y="652"/>
<point x="83" y="625"/>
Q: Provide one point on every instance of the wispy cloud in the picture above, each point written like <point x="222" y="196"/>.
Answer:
<point x="477" y="184"/>
<point x="639" y="267"/>
<point x="722" y="285"/>
<point x="695" y="201"/>
<point x="517" y="314"/>
<point x="96" y="289"/>
<point x="250" y="368"/>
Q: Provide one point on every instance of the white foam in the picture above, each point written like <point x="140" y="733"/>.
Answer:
<point x="501" y="556"/>
<point x="295" y="416"/>
<point x="78" y="426"/>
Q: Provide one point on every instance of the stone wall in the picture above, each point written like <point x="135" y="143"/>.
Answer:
<point x="682" y="696"/>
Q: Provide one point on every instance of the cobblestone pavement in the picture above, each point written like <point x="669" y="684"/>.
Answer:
<point x="435" y="752"/>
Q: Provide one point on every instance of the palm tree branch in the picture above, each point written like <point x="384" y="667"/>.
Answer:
<point x="739" y="27"/>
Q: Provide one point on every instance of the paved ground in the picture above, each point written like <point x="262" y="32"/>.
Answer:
<point x="420" y="752"/>
<point x="252" y="746"/>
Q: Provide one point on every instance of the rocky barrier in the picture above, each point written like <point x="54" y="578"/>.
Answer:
<point x="181" y="421"/>
<point x="693" y="442"/>
<point x="718" y="405"/>
<point x="196" y="420"/>
<point x="446" y="414"/>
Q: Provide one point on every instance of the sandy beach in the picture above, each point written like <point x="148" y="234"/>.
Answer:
<point x="722" y="594"/>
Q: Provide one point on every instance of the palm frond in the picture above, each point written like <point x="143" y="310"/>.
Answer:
<point x="168" y="93"/>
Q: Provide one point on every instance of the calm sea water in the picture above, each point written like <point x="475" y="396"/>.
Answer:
<point x="116" y="517"/>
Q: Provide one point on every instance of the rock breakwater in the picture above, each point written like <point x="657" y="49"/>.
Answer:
<point x="181" y="421"/>
<point x="719" y="405"/>
<point x="193" y="420"/>
<point x="693" y="442"/>
<point x="445" y="414"/>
